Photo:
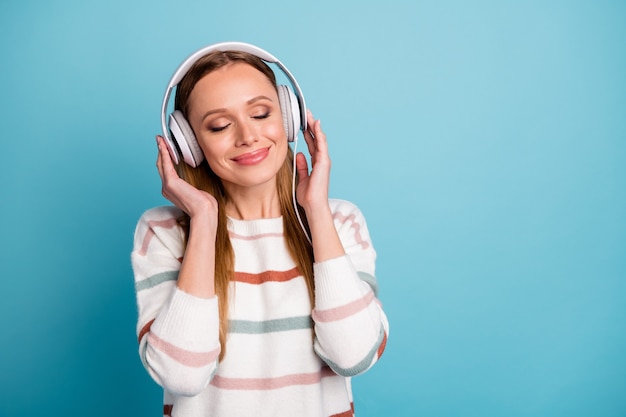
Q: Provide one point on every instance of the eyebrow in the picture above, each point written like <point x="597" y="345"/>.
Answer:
<point x="251" y="101"/>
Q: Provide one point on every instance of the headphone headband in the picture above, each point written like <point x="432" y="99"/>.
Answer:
<point x="228" y="46"/>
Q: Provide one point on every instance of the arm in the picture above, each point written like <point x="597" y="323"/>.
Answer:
<point x="312" y="193"/>
<point x="178" y="327"/>
<point x="196" y="273"/>
<point x="350" y="326"/>
<point x="178" y="333"/>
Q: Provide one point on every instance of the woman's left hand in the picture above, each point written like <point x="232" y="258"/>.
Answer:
<point x="312" y="188"/>
<point x="312" y="193"/>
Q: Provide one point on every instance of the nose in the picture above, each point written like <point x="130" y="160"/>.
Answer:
<point x="246" y="133"/>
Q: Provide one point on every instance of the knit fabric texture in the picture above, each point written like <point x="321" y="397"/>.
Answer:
<point x="284" y="357"/>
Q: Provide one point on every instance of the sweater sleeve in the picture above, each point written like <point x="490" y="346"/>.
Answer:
<point x="178" y="333"/>
<point x="351" y="327"/>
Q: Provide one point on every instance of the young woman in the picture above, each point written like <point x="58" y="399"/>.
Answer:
<point x="243" y="308"/>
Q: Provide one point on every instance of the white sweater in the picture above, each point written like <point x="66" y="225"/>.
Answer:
<point x="273" y="366"/>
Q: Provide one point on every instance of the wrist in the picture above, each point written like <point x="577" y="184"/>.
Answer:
<point x="205" y="221"/>
<point x="317" y="208"/>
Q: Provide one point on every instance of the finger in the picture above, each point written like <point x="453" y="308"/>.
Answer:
<point x="315" y="129"/>
<point x="309" y="138"/>
<point x="310" y="119"/>
<point x="159" y="161"/>
<point x="167" y="164"/>
<point x="310" y="124"/>
<point x="320" y="137"/>
<point x="318" y="149"/>
<point x="169" y="149"/>
<point x="310" y="135"/>
<point x="302" y="166"/>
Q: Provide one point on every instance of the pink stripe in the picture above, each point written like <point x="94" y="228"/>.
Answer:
<point x="264" y="384"/>
<point x="344" y="311"/>
<point x="356" y="226"/>
<point x="188" y="358"/>
<point x="166" y="224"/>
<point x="255" y="237"/>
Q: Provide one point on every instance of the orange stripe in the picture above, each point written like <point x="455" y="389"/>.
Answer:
<point x="349" y="413"/>
<point x="267" y="276"/>
<point x="344" y="311"/>
<point x="381" y="348"/>
<point x="145" y="329"/>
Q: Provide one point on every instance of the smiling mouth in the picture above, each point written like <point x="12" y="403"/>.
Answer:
<point x="251" y="158"/>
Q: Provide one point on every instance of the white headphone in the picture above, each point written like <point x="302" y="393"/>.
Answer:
<point x="183" y="139"/>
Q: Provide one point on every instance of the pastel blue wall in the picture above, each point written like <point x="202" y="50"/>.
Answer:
<point x="485" y="141"/>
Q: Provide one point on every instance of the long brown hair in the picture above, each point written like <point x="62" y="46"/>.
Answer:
<point x="202" y="177"/>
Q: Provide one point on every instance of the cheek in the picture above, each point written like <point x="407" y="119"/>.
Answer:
<point x="280" y="139"/>
<point x="212" y="151"/>
<point x="276" y="129"/>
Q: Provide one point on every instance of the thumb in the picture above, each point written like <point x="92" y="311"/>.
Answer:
<point x="302" y="166"/>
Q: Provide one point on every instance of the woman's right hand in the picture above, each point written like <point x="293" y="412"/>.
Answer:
<point x="183" y="195"/>
<point x="196" y="272"/>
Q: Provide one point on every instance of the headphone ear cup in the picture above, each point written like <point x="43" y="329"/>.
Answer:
<point x="290" y="111"/>
<point x="185" y="139"/>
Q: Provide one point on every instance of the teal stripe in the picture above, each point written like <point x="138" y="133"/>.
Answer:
<point x="370" y="279"/>
<point x="269" y="326"/>
<point x="155" y="280"/>
<point x="361" y="366"/>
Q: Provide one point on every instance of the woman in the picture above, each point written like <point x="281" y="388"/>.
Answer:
<point x="243" y="309"/>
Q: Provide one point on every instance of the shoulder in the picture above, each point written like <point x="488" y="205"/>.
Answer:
<point x="161" y="219"/>
<point x="161" y="213"/>
<point x="343" y="208"/>
<point x="157" y="230"/>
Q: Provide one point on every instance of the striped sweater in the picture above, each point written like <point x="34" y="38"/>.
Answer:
<point x="273" y="365"/>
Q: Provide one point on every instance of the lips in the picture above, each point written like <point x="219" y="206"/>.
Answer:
<point x="251" y="158"/>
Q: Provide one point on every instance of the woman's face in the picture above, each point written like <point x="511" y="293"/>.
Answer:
<point x="235" y="114"/>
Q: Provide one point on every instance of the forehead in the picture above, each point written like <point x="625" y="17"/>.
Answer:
<point x="230" y="77"/>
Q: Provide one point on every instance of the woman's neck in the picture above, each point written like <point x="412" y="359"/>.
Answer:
<point x="253" y="203"/>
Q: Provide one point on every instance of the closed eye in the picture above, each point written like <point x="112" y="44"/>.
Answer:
<point x="218" y="128"/>
<point x="262" y="116"/>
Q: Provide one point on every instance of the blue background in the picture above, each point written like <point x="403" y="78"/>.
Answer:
<point x="485" y="141"/>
